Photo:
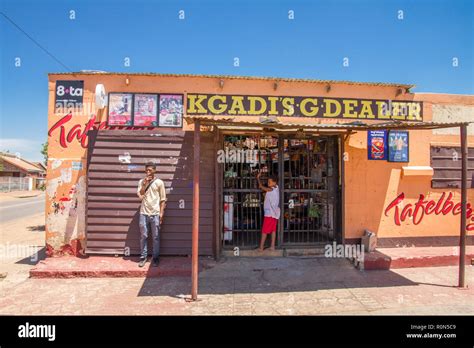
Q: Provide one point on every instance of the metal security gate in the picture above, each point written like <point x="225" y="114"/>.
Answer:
<point x="310" y="191"/>
<point x="308" y="173"/>
<point x="242" y="157"/>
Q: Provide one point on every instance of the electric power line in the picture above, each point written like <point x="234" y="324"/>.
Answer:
<point x="35" y="42"/>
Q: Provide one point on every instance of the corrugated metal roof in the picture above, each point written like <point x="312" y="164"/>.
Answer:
<point x="356" y="125"/>
<point x="234" y="77"/>
<point x="22" y="164"/>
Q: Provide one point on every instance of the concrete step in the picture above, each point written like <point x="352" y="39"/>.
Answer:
<point x="283" y="252"/>
<point x="304" y="252"/>
<point x="110" y="266"/>
<point x="252" y="253"/>
<point x="391" y="258"/>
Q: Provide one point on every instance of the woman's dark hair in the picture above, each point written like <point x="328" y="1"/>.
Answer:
<point x="150" y="164"/>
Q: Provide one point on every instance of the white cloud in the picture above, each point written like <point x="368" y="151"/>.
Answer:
<point x="28" y="149"/>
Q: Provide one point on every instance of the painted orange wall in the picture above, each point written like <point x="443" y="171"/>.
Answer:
<point x="370" y="185"/>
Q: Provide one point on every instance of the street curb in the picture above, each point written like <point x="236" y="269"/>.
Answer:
<point x="111" y="267"/>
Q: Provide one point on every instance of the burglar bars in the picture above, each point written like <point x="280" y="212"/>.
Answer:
<point x="244" y="156"/>
<point x="308" y="215"/>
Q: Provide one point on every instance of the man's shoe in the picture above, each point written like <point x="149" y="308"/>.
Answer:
<point x="142" y="262"/>
<point x="155" y="262"/>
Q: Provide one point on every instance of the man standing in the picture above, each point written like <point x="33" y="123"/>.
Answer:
<point x="152" y="193"/>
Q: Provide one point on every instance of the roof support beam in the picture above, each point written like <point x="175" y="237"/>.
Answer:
<point x="462" y="239"/>
<point x="195" y="226"/>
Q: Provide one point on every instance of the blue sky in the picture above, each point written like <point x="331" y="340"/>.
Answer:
<point x="417" y="49"/>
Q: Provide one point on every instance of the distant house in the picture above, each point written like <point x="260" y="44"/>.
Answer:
<point x="42" y="166"/>
<point x="17" y="174"/>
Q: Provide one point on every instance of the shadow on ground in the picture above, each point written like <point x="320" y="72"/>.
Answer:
<point x="34" y="258"/>
<point x="37" y="228"/>
<point x="272" y="275"/>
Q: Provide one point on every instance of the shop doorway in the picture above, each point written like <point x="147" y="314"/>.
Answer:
<point x="310" y="191"/>
<point x="308" y="175"/>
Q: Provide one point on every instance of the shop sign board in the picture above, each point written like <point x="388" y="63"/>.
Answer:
<point x="68" y="95"/>
<point x="317" y="107"/>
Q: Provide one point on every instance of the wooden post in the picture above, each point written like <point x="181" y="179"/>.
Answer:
<point x="195" y="233"/>
<point x="281" y="185"/>
<point x="462" y="239"/>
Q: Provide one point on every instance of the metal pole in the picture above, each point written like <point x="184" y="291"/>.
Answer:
<point x="195" y="236"/>
<point x="462" y="240"/>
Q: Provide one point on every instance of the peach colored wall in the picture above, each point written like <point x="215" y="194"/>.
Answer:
<point x="370" y="185"/>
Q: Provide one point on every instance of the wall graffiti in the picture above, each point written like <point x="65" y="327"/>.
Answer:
<point x="417" y="211"/>
<point x="66" y="175"/>
<point x="56" y="164"/>
<point x="67" y="210"/>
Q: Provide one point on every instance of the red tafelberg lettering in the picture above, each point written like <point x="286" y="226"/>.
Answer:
<point x="394" y="204"/>
<point x="419" y="210"/>
<point x="60" y="124"/>
<point x="75" y="132"/>
<point x="423" y="207"/>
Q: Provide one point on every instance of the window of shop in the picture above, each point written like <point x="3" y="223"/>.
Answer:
<point x="446" y="163"/>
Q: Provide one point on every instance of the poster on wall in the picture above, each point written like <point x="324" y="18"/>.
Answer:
<point x="145" y="110"/>
<point x="171" y="110"/>
<point x="69" y="95"/>
<point x="120" y="109"/>
<point x="398" y="146"/>
<point x="377" y="145"/>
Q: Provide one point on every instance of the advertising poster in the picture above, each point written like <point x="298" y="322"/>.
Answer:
<point x="76" y="165"/>
<point x="145" y="110"/>
<point x="377" y="144"/>
<point x="398" y="146"/>
<point x="171" y="110"/>
<point x="120" y="109"/>
<point x="69" y="95"/>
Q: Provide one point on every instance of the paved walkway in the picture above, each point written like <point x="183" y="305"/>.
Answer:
<point x="233" y="286"/>
<point x="248" y="286"/>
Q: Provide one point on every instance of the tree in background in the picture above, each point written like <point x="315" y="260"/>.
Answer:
<point x="44" y="152"/>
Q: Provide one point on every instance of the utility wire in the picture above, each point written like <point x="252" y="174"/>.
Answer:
<point x="35" y="42"/>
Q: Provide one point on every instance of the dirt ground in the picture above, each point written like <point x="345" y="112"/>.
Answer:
<point x="22" y="244"/>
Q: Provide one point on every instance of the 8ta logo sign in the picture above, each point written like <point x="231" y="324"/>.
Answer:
<point x="61" y="90"/>
<point x="69" y="96"/>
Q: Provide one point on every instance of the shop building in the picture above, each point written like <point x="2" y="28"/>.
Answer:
<point x="349" y="156"/>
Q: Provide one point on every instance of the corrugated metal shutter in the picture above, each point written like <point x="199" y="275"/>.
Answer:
<point x="446" y="162"/>
<point x="112" y="202"/>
